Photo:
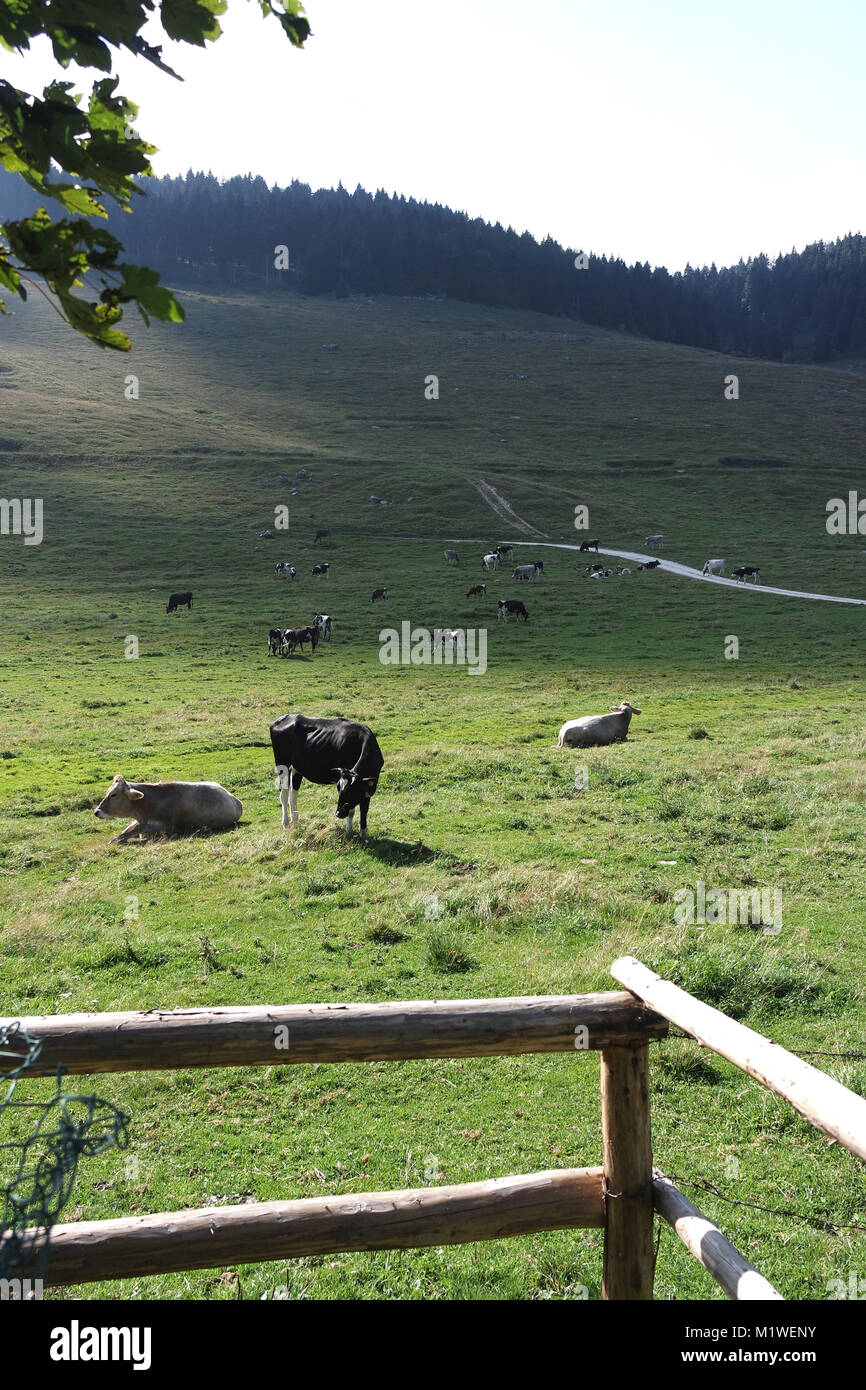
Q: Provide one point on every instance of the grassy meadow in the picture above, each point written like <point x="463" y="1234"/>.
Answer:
<point x="488" y="872"/>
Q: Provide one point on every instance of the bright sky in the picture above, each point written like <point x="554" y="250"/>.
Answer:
<point x="676" y="131"/>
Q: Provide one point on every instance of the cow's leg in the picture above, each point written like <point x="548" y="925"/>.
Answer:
<point x="284" y="802"/>
<point x="293" y="797"/>
<point x="124" y="835"/>
<point x="349" y="820"/>
<point x="364" y="808"/>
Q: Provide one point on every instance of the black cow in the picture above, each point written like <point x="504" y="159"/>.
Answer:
<point x="297" y="636"/>
<point x="539" y="565"/>
<point x="512" y="605"/>
<point x="594" y="568"/>
<point x="589" y="545"/>
<point x="649" y="565"/>
<point x="177" y="600"/>
<point x="275" y="641"/>
<point x="326" y="751"/>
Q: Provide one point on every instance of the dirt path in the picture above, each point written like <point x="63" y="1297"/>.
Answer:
<point x="503" y="509"/>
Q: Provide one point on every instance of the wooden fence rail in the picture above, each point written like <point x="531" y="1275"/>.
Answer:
<point x="620" y="1196"/>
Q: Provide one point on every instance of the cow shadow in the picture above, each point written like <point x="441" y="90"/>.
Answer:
<point x="405" y="852"/>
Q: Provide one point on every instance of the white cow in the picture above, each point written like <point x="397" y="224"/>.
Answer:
<point x="527" y="572"/>
<point x="714" y="567"/>
<point x="596" y="730"/>
<point x="490" y="561"/>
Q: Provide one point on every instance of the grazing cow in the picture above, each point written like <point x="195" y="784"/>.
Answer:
<point x="296" y="637"/>
<point x="477" y="589"/>
<point x="594" y="568"/>
<point x="596" y="730"/>
<point x="321" y="536"/>
<point x="323" y="622"/>
<point x="621" y="569"/>
<point x="744" y="572"/>
<point x="490" y="561"/>
<point x="165" y="808"/>
<point x="505" y="552"/>
<point x="539" y="566"/>
<point x="512" y="605"/>
<point x="177" y="600"/>
<point x="284" y="568"/>
<point x="589" y="545"/>
<point x="654" y="540"/>
<point x="379" y="593"/>
<point x="649" y="564"/>
<point x="452" y="557"/>
<point x="322" y="569"/>
<point x="527" y="572"/>
<point x="326" y="751"/>
<point x="714" y="567"/>
<point x="275" y="641"/>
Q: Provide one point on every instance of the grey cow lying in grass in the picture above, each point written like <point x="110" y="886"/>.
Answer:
<point x="168" y="808"/>
<point x="596" y="730"/>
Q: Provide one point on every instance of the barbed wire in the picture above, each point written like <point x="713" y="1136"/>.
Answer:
<point x="822" y="1222"/>
<point x="45" y="1160"/>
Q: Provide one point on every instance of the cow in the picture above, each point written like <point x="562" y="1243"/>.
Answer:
<point x="649" y="564"/>
<point x="743" y="572"/>
<point x="177" y="601"/>
<point x="326" y="751"/>
<point x="477" y="589"/>
<point x="539" y="565"/>
<point x="589" y="545"/>
<point x="379" y="593"/>
<point x="597" y="730"/>
<point x="512" y="605"/>
<point x="654" y="540"/>
<point x="275" y="641"/>
<point x="321" y="536"/>
<point x="452" y="557"/>
<point x="594" y="568"/>
<point x="322" y="569"/>
<point x="490" y="561"/>
<point x="714" y="567"/>
<point x="165" y="808"/>
<point x="621" y="569"/>
<point x="296" y="637"/>
<point x="323" y="622"/>
<point x="283" y="567"/>
<point x="527" y="572"/>
<point x="505" y="552"/>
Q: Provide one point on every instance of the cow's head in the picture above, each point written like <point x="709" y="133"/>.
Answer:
<point x="624" y="707"/>
<point x="352" y="789"/>
<point x="119" y="800"/>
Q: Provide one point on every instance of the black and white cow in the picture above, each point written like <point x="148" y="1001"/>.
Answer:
<point x="589" y="545"/>
<point x="275" y="641"/>
<point x="326" y="751"/>
<point x="322" y="569"/>
<point x="512" y="605"/>
<point x="649" y="564"/>
<point x="743" y="572"/>
<point x="323" y="622"/>
<point x="285" y="569"/>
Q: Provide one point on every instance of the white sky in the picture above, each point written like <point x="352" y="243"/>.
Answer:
<point x="670" y="132"/>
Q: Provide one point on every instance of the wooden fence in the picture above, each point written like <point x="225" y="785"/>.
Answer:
<point x="619" y="1196"/>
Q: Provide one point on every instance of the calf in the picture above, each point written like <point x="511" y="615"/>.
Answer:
<point x="452" y="557"/>
<point x="527" y="572"/>
<point x="714" y="567"/>
<point x="283" y="567"/>
<point x="323" y="623"/>
<point x="649" y="564"/>
<point x="512" y="605"/>
<point x="177" y="601"/>
<point x="275" y="641"/>
<point x="322" y="569"/>
<point x="589" y="545"/>
<point x="743" y="572"/>
<point x="477" y="589"/>
<point x="165" y="808"/>
<point x="326" y="751"/>
<point x="597" y="730"/>
<point x="321" y="536"/>
<point x="379" y="593"/>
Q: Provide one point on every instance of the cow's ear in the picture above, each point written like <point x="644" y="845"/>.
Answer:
<point x="135" y="796"/>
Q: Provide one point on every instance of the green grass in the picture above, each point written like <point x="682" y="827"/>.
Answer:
<point x="488" y="871"/>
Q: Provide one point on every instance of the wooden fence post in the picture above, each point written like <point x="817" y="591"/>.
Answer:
<point x="628" y="1173"/>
